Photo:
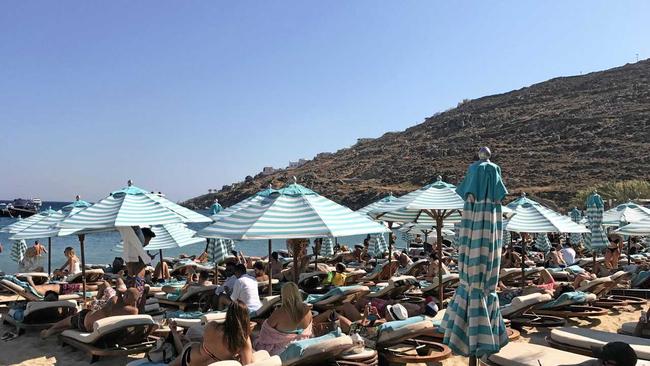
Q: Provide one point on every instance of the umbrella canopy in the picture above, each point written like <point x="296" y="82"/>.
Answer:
<point x="368" y="209"/>
<point x="532" y="217"/>
<point x="169" y="236"/>
<point x="576" y="216"/>
<point x="472" y="323"/>
<point x="377" y="246"/>
<point x="217" y="250"/>
<point x="596" y="239"/>
<point x="50" y="226"/>
<point x="291" y="212"/>
<point x="130" y="206"/>
<point x="23" y="224"/>
<point x="18" y="251"/>
<point x="417" y="205"/>
<point x="327" y="248"/>
<point x="625" y="213"/>
<point x="542" y="243"/>
<point x="215" y="208"/>
<point x="636" y="229"/>
<point x="430" y="230"/>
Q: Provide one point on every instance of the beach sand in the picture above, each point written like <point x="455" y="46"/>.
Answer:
<point x="30" y="350"/>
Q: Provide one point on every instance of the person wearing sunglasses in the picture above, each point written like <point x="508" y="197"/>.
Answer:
<point x="229" y="340"/>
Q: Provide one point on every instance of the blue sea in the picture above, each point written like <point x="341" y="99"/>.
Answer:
<point x="99" y="247"/>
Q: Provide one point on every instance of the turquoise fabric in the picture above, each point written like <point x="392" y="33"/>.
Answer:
<point x="640" y="278"/>
<point x="295" y="350"/>
<point x="483" y="181"/>
<point x="397" y="324"/>
<point x="473" y="323"/>
<point x="183" y="314"/>
<point x="575" y="269"/>
<point x="567" y="298"/>
<point x="22" y="284"/>
<point x="336" y="291"/>
<point x="215" y="208"/>
<point x="595" y="240"/>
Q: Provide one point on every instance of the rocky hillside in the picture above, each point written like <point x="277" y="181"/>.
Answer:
<point x="550" y="139"/>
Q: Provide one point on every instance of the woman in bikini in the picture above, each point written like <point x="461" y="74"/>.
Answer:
<point x="219" y="344"/>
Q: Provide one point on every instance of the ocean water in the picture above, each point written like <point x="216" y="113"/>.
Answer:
<point x="99" y="247"/>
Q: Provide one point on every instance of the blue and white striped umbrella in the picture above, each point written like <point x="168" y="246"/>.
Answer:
<point x="532" y="217"/>
<point x="131" y="206"/>
<point x="639" y="228"/>
<point x="413" y="207"/>
<point x="169" y="236"/>
<point x="289" y="213"/>
<point x="576" y="216"/>
<point x="625" y="213"/>
<point x="23" y="224"/>
<point x="542" y="243"/>
<point x="596" y="239"/>
<point x="18" y="250"/>
<point x="327" y="247"/>
<point x="217" y="250"/>
<point x="429" y="230"/>
<point x="369" y="208"/>
<point x="50" y="226"/>
<point x="377" y="246"/>
<point x="472" y="323"/>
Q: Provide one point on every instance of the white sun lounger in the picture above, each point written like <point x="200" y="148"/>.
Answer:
<point x="92" y="276"/>
<point x="315" y="351"/>
<point x="448" y="280"/>
<point x="394" y="287"/>
<point x="529" y="354"/>
<point x="41" y="314"/>
<point x="581" y="340"/>
<point x="38" y="278"/>
<point x="18" y="290"/>
<point x="113" y="336"/>
<point x="187" y="299"/>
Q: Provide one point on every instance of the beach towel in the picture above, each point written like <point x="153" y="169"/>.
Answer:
<point x="275" y="342"/>
<point x="179" y="314"/>
<point x="575" y="269"/>
<point x="314" y="298"/>
<point x="640" y="278"/>
<point x="22" y="284"/>
<point x="397" y="324"/>
<point x="567" y="298"/>
<point x="295" y="350"/>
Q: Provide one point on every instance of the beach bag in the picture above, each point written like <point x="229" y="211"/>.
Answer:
<point x="163" y="352"/>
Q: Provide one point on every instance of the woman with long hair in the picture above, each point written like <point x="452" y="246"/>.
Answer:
<point x="229" y="340"/>
<point x="71" y="266"/>
<point x="292" y="321"/>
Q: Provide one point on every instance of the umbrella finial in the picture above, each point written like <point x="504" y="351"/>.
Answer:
<point x="77" y="197"/>
<point x="523" y="194"/>
<point x="216" y="200"/>
<point x="129" y="183"/>
<point x="439" y="178"/>
<point x="295" y="180"/>
<point x="270" y="186"/>
<point x="484" y="153"/>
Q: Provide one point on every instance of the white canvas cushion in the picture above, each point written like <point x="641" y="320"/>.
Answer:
<point x="528" y="354"/>
<point x="193" y="290"/>
<point x="587" y="286"/>
<point x="107" y="325"/>
<point x="33" y="306"/>
<point x="588" y="338"/>
<point x="413" y="328"/>
<point x="629" y="327"/>
<point x="268" y="303"/>
<point x="77" y="276"/>
<point x="446" y="280"/>
<point x="32" y="274"/>
<point x="219" y="316"/>
<point x="149" y="308"/>
<point x="151" y="301"/>
<point x="522" y="302"/>
<point x="323" y="348"/>
<point x="332" y="299"/>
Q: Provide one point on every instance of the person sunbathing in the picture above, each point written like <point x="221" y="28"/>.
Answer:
<point x="260" y="272"/>
<point x="403" y="259"/>
<point x="52" y="290"/>
<point x="104" y="294"/>
<point x="291" y="322"/>
<point x="349" y="317"/>
<point x="161" y="272"/>
<point x="83" y="320"/>
<point x="432" y="269"/>
<point x="227" y="341"/>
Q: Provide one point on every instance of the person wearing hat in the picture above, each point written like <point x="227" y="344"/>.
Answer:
<point x="611" y="354"/>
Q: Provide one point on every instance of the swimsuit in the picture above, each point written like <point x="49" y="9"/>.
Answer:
<point x="78" y="319"/>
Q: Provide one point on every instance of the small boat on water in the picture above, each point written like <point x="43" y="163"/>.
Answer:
<point x="20" y="207"/>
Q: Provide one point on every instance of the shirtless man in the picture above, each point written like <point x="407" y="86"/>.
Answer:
<point x="83" y="320"/>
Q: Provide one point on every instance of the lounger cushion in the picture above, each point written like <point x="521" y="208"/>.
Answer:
<point x="521" y="302"/>
<point x="335" y="293"/>
<point x="528" y="354"/>
<point x="89" y="272"/>
<point x="569" y="298"/>
<point x="191" y="291"/>
<point x="394" y="330"/>
<point x="586" y="286"/>
<point x="587" y="338"/>
<point x="446" y="279"/>
<point x="34" y="306"/>
<point x="107" y="325"/>
<point x="314" y="346"/>
<point x="628" y="327"/>
<point x="268" y="303"/>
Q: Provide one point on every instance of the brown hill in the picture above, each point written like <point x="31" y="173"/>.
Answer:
<point x="550" y="139"/>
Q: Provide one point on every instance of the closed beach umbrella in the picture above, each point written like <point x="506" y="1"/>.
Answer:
<point x="435" y="204"/>
<point x="473" y="324"/>
<point x="327" y="248"/>
<point x="377" y="245"/>
<point x="596" y="239"/>
<point x="18" y="250"/>
<point x="542" y="243"/>
<point x="126" y="210"/>
<point x="625" y="213"/>
<point x="293" y="212"/>
<point x="217" y="250"/>
<point x="215" y="208"/>
<point x="576" y="216"/>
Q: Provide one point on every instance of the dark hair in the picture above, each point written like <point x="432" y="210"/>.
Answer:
<point x="562" y="289"/>
<point x="433" y="255"/>
<point x="240" y="268"/>
<point x="340" y="267"/>
<point x="148" y="233"/>
<point x="259" y="265"/>
<point x="230" y="264"/>
<point x="236" y="326"/>
<point x="204" y="275"/>
<point x="274" y="255"/>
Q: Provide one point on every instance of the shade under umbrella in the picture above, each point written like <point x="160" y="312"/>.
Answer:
<point x="596" y="239"/>
<point x="170" y="236"/>
<point x="472" y="323"/>
<point x="625" y="213"/>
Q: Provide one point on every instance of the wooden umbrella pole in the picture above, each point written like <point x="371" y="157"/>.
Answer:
<point x="296" y="250"/>
<point x="82" y="237"/>
<point x="441" y="289"/>
<point x="49" y="257"/>
<point x="523" y="265"/>
<point x="629" y="259"/>
<point x="473" y="361"/>
<point x="270" y="270"/>
<point x="316" y="255"/>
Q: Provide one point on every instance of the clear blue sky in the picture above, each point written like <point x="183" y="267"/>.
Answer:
<point x="182" y="96"/>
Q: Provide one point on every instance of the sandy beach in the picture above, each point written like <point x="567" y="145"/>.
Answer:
<point x="30" y="350"/>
